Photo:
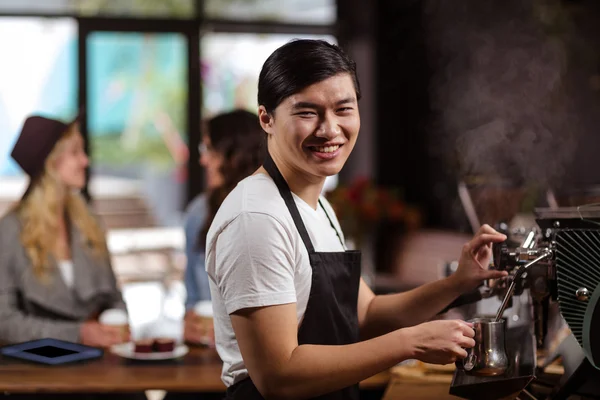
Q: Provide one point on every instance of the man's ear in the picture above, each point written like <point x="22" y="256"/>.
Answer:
<point x="266" y="120"/>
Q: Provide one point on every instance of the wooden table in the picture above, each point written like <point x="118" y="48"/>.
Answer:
<point x="198" y="371"/>
<point x="416" y="383"/>
<point x="431" y="382"/>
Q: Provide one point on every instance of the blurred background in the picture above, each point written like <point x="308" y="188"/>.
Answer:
<point x="472" y="112"/>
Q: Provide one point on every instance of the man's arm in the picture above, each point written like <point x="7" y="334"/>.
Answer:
<point x="384" y="313"/>
<point x="252" y="264"/>
<point x="282" y="369"/>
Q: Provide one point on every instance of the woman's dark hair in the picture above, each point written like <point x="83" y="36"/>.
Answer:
<point x="299" y="64"/>
<point x="239" y="139"/>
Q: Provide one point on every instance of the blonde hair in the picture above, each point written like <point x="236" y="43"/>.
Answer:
<point x="40" y="210"/>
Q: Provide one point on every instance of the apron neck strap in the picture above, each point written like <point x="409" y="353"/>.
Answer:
<point x="332" y="224"/>
<point x="286" y="194"/>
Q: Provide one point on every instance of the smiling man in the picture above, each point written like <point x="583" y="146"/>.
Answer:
<point x="293" y="319"/>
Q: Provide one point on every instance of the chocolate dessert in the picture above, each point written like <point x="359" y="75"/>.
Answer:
<point x="144" y="346"/>
<point x="164" y="344"/>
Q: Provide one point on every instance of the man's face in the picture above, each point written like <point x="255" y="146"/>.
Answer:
<point x="312" y="132"/>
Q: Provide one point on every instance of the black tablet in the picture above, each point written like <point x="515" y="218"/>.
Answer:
<point x="51" y="351"/>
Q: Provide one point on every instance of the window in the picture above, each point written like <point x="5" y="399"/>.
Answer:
<point x="137" y="99"/>
<point x="39" y="75"/>
<point x="137" y="89"/>
<point x="317" y="12"/>
<point x="230" y="67"/>
<point x="112" y="8"/>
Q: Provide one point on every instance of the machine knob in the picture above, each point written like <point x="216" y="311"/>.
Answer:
<point x="500" y="254"/>
<point x="582" y="294"/>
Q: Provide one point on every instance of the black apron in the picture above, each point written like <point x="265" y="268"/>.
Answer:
<point x="330" y="317"/>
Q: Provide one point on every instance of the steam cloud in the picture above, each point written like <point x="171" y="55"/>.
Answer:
<point x="500" y="91"/>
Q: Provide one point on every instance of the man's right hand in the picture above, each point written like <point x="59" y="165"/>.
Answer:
<point x="95" y="334"/>
<point x="441" y="342"/>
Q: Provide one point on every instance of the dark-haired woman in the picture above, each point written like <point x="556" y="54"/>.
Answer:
<point x="232" y="148"/>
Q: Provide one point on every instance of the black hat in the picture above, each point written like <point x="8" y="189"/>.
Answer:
<point x="35" y="143"/>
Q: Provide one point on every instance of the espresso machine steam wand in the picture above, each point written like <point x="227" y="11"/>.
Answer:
<point x="518" y="274"/>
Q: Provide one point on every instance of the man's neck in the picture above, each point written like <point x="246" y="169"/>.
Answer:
<point x="306" y="187"/>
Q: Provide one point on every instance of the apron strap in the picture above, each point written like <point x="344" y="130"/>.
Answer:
<point x="332" y="224"/>
<point x="286" y="193"/>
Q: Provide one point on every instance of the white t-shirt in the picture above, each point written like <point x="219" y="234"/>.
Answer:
<point x="255" y="257"/>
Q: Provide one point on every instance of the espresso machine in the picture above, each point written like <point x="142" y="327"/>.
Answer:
<point x="558" y="265"/>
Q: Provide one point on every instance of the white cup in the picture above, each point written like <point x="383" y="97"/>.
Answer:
<point x="204" y="309"/>
<point x="115" y="317"/>
<point x="204" y="312"/>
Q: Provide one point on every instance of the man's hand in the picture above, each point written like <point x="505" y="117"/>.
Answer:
<point x="475" y="259"/>
<point x="441" y="342"/>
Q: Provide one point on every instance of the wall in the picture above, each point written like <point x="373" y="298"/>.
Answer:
<point x="500" y="90"/>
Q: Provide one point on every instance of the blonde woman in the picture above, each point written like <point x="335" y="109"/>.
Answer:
<point x="55" y="273"/>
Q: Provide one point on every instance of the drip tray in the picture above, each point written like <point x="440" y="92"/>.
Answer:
<point x="520" y="348"/>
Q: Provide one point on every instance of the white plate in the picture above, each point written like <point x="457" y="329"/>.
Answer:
<point x="126" y="350"/>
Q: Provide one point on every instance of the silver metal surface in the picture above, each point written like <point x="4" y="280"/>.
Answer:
<point x="488" y="357"/>
<point x="582" y="294"/>
<point x="519" y="272"/>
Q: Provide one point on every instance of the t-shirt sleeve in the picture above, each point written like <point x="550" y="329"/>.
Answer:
<point x="254" y="263"/>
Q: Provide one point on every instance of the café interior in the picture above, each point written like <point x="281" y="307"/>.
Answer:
<point x="472" y="113"/>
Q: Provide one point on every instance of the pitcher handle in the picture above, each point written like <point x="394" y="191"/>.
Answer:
<point x="470" y="362"/>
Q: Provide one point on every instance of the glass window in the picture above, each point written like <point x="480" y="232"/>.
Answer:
<point x="230" y="67"/>
<point x="137" y="101"/>
<point x="36" y="6"/>
<point x="318" y="12"/>
<point x="38" y="74"/>
<point x="162" y="8"/>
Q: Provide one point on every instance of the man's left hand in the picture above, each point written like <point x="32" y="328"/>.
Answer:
<point x="475" y="259"/>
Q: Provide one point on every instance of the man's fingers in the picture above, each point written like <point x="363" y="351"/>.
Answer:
<point x="485" y="228"/>
<point x="485" y="238"/>
<point x="468" y="331"/>
<point x="460" y="353"/>
<point x="484" y="250"/>
<point x="493" y="274"/>
<point x="467" y="342"/>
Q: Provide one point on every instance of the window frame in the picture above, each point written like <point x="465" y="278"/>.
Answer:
<point x="193" y="29"/>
